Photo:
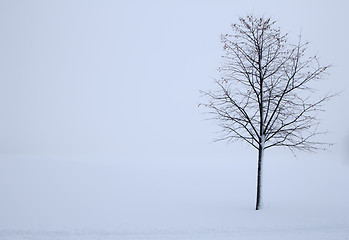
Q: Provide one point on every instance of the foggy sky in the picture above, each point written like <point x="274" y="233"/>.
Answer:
<point x="115" y="76"/>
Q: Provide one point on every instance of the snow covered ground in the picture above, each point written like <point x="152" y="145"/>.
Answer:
<point x="90" y="198"/>
<point x="243" y="225"/>
<point x="316" y="232"/>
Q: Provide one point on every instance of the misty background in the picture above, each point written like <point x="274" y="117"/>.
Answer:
<point x="100" y="124"/>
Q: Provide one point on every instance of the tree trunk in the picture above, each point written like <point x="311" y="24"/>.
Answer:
<point x="259" y="176"/>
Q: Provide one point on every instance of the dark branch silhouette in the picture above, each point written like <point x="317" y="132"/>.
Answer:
<point x="263" y="96"/>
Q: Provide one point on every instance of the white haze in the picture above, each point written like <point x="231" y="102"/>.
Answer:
<point x="100" y="125"/>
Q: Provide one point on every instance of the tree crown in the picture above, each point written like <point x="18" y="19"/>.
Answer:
<point x="264" y="94"/>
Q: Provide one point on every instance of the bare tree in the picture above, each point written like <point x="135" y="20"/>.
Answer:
<point x="263" y="96"/>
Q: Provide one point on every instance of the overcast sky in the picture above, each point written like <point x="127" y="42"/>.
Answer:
<point x="122" y="78"/>
<point x="116" y="76"/>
